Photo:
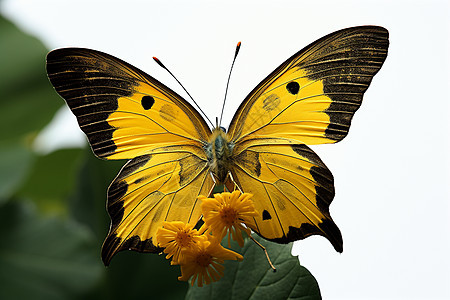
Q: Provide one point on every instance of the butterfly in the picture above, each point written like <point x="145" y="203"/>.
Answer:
<point x="174" y="156"/>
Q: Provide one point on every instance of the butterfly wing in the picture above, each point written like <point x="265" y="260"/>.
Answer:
<point x="292" y="189"/>
<point x="151" y="189"/>
<point x="312" y="96"/>
<point x="123" y="111"/>
<point x="127" y="114"/>
<point x="309" y="99"/>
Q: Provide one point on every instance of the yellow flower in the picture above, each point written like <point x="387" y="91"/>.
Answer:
<point x="175" y="236"/>
<point x="204" y="263"/>
<point x="226" y="212"/>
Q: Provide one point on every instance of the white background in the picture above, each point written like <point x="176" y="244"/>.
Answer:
<point x="391" y="172"/>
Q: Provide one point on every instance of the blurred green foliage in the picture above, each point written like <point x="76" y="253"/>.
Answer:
<point x="27" y="100"/>
<point x="52" y="207"/>
<point x="53" y="218"/>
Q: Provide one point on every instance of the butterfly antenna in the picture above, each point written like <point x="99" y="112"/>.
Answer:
<point x="238" y="46"/>
<point x="164" y="67"/>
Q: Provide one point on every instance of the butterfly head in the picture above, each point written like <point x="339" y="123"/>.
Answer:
<point x="219" y="151"/>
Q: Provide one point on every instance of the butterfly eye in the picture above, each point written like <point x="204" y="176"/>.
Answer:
<point x="293" y="87"/>
<point x="266" y="215"/>
<point x="223" y="129"/>
<point x="147" y="102"/>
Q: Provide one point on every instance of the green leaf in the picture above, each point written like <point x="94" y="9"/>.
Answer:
<point x="44" y="258"/>
<point x="254" y="279"/>
<point x="52" y="179"/>
<point x="15" y="163"/>
<point x="27" y="100"/>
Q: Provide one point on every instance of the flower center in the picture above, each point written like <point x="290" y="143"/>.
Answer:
<point x="183" y="239"/>
<point x="228" y="215"/>
<point x="204" y="259"/>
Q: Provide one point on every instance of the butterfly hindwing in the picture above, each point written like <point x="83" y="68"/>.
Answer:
<point x="292" y="189"/>
<point x="311" y="97"/>
<point x="150" y="189"/>
<point x="123" y="111"/>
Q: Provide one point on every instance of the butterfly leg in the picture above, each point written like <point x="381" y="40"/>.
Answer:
<point x="215" y="182"/>
<point x="234" y="182"/>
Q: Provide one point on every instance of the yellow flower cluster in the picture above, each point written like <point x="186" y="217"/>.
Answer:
<point x="198" y="252"/>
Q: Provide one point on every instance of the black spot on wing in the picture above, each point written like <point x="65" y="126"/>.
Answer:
<point x="91" y="87"/>
<point x="346" y="66"/>
<point x="266" y="215"/>
<point x="293" y="87"/>
<point x="147" y="102"/>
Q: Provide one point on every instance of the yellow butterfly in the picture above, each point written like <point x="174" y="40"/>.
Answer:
<point x="174" y="155"/>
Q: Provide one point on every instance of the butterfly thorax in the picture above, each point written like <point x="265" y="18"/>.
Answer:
<point x="219" y="150"/>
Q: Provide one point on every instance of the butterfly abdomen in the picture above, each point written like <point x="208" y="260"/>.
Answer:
<point x="218" y="151"/>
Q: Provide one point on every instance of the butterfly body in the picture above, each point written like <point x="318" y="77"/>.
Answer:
<point x="172" y="153"/>
<point x="219" y="152"/>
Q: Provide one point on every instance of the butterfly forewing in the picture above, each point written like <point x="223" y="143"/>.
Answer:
<point x="123" y="111"/>
<point x="311" y="98"/>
